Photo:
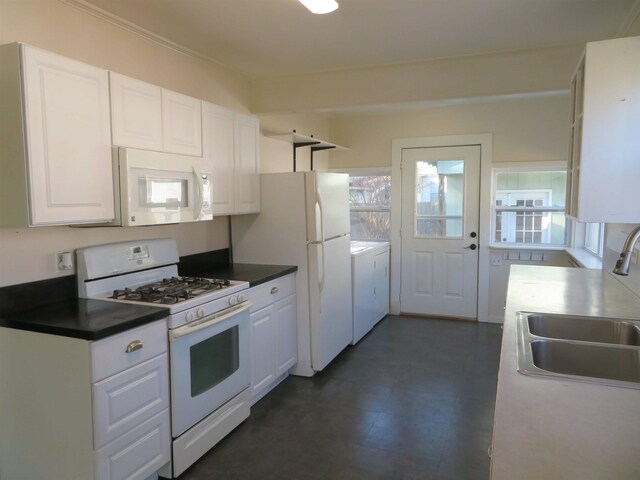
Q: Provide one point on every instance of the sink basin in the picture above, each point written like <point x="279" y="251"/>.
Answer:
<point x="585" y="329"/>
<point x="584" y="360"/>
<point x="588" y="349"/>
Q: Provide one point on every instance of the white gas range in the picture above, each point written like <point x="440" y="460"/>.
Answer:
<point x="208" y="322"/>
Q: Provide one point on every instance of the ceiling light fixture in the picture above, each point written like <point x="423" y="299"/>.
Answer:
<point x="320" y="6"/>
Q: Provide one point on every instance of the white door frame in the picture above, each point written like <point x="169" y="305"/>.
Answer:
<point x="485" y="141"/>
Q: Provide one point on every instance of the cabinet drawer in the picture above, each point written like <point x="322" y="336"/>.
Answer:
<point x="270" y="292"/>
<point x="110" y="356"/>
<point x="125" y="400"/>
<point x="138" y="453"/>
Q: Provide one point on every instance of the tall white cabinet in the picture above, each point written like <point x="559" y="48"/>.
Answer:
<point x="55" y="140"/>
<point x="231" y="143"/>
<point x="370" y="285"/>
<point x="604" y="157"/>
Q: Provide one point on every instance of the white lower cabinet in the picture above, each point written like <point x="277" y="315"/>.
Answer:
<point x="274" y="345"/>
<point x="72" y="420"/>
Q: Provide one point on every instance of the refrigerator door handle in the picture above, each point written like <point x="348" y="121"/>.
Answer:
<point x="320" y="212"/>
<point x="321" y="263"/>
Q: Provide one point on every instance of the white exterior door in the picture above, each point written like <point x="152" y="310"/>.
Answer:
<point x="440" y="217"/>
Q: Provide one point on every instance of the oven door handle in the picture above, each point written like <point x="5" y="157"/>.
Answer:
<point x="207" y="321"/>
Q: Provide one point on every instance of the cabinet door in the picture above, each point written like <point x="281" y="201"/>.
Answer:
<point x="262" y="349"/>
<point x="381" y="283"/>
<point x="136" y="113"/>
<point x="138" y="453"/>
<point x="217" y="150"/>
<point x="125" y="400"/>
<point x="68" y="140"/>
<point x="286" y="334"/>
<point x="181" y="124"/>
<point x="247" y="164"/>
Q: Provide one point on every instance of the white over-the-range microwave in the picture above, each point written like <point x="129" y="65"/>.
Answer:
<point x="154" y="188"/>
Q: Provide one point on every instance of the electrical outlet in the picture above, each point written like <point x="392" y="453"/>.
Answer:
<point x="496" y="260"/>
<point x="64" y="261"/>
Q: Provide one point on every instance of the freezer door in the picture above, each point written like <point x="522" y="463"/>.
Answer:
<point x="329" y="299"/>
<point x="327" y="205"/>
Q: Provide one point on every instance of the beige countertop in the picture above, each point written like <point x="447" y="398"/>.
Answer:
<point x="547" y="428"/>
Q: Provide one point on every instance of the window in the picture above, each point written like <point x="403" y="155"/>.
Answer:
<point x="370" y="204"/>
<point x="594" y="238"/>
<point x="529" y="207"/>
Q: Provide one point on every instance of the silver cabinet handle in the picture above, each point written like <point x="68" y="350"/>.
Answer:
<point x="274" y="290"/>
<point x="133" y="346"/>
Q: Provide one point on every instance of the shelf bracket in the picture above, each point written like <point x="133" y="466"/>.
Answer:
<point x="297" y="145"/>
<point x="317" y="149"/>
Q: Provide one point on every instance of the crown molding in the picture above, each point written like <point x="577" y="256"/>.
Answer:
<point x="630" y="19"/>
<point x="120" y="22"/>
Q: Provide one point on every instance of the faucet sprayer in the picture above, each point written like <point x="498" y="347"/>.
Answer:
<point x="622" y="265"/>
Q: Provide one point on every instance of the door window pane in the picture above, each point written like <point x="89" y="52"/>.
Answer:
<point x="213" y="360"/>
<point x="439" y="199"/>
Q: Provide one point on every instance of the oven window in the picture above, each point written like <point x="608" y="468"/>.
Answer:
<point x="163" y="192"/>
<point x="213" y="360"/>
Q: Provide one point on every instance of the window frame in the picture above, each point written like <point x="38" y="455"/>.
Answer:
<point x="366" y="172"/>
<point x="522" y="167"/>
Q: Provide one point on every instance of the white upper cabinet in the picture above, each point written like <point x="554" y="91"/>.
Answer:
<point x="181" y="124"/>
<point x="55" y="140"/>
<point x="604" y="159"/>
<point x="152" y="118"/>
<point x="231" y="146"/>
<point x="218" y="151"/>
<point x="247" y="147"/>
<point x="136" y="112"/>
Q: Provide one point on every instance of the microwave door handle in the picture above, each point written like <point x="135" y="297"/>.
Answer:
<point x="197" y="207"/>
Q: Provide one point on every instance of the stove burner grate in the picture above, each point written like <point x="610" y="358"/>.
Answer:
<point x="172" y="290"/>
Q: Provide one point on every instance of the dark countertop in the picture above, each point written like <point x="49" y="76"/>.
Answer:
<point x="51" y="306"/>
<point x="255" y="274"/>
<point x="82" y="318"/>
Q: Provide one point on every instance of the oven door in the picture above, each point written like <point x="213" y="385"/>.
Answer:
<point x="209" y="365"/>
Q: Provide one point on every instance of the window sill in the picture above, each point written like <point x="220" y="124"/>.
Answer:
<point x="584" y="258"/>
<point x="554" y="248"/>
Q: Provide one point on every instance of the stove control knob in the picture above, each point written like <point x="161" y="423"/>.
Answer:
<point x="233" y="299"/>
<point x="241" y="297"/>
<point x="200" y="312"/>
<point x="191" y="316"/>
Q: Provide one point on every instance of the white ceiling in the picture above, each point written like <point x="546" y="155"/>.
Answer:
<point x="276" y="37"/>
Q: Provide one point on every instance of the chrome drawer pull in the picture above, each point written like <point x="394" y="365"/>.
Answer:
<point x="133" y="346"/>
<point x="274" y="290"/>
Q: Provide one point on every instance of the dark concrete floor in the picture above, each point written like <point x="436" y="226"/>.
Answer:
<point x="413" y="400"/>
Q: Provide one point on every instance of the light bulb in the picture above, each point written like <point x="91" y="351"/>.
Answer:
<point x="320" y="6"/>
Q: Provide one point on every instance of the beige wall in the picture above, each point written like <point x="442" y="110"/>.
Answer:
<point x="508" y="73"/>
<point x="523" y="130"/>
<point x="29" y="254"/>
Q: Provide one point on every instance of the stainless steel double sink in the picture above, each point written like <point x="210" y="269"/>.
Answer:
<point x="582" y="348"/>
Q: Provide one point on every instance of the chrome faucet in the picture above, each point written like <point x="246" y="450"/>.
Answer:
<point x="622" y="265"/>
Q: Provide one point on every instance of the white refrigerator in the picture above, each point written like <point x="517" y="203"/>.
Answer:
<point x="304" y="221"/>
